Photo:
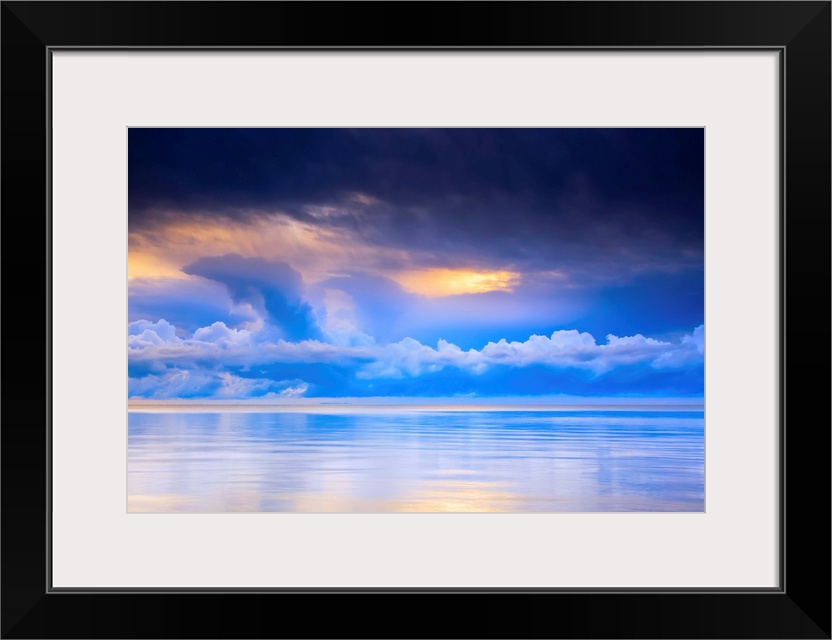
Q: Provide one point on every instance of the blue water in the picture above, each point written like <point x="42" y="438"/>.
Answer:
<point x="415" y="461"/>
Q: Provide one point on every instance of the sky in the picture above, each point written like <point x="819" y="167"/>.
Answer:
<point x="288" y="264"/>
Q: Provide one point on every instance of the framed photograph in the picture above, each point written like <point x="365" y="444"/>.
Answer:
<point x="360" y="328"/>
<point x="329" y="313"/>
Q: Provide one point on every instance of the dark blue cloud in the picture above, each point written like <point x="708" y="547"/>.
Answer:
<point x="531" y="196"/>
<point x="245" y="168"/>
<point x="271" y="287"/>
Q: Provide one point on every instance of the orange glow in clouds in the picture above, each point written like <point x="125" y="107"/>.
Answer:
<point x="162" y="252"/>
<point x="316" y="252"/>
<point x="147" y="265"/>
<point x="449" y="282"/>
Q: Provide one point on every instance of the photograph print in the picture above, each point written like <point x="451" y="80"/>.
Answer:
<point x="410" y="320"/>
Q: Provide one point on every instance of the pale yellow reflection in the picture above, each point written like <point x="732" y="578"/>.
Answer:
<point x="460" y="497"/>
<point x="432" y="497"/>
<point x="448" y="282"/>
<point x="157" y="503"/>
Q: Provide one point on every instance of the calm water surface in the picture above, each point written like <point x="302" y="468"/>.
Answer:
<point x="415" y="461"/>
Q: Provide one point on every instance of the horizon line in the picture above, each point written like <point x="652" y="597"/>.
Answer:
<point x="495" y="404"/>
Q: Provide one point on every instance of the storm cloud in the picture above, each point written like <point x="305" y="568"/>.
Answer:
<point x="630" y="197"/>
<point x="273" y="288"/>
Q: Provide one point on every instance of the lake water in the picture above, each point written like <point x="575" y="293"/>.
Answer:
<point x="386" y="459"/>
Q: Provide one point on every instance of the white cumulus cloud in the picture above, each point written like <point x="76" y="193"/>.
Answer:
<point x="218" y="345"/>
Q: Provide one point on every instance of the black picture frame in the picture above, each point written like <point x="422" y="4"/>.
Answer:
<point x="798" y="608"/>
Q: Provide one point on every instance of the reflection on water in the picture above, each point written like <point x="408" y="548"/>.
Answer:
<point x="416" y="461"/>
